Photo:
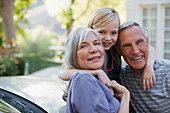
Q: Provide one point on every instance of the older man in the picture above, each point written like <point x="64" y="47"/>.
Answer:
<point x="133" y="44"/>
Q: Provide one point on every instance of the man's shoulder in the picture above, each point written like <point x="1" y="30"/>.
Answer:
<point x="125" y="70"/>
<point x="162" y="62"/>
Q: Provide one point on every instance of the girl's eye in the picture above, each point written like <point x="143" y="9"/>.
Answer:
<point x="114" y="33"/>
<point x="101" y="32"/>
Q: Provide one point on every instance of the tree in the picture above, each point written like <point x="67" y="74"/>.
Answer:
<point x="77" y="12"/>
<point x="6" y="11"/>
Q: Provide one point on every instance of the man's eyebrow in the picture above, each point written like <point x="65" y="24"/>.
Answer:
<point x="125" y="44"/>
<point x="140" y="40"/>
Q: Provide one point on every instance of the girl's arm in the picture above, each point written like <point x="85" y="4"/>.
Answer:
<point x="122" y="93"/>
<point x="148" y="75"/>
<point x="100" y="74"/>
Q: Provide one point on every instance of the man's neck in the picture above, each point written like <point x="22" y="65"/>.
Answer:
<point x="137" y="71"/>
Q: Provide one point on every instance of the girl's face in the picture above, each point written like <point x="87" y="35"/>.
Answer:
<point x="90" y="53"/>
<point x="109" y="33"/>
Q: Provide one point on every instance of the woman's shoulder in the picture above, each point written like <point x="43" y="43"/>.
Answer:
<point x="81" y="74"/>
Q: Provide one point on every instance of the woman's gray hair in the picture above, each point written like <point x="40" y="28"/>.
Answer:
<point x="74" y="39"/>
<point x="132" y="23"/>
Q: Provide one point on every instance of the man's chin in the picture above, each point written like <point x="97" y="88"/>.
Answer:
<point x="137" y="69"/>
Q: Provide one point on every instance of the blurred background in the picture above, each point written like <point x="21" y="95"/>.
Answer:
<point x="33" y="32"/>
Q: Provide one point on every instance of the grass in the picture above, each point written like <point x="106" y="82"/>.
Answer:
<point x="38" y="63"/>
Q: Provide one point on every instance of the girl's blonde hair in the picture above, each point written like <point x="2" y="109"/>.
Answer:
<point x="102" y="16"/>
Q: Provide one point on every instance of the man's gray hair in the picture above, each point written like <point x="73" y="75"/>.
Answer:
<point x="132" y="23"/>
<point x="74" y="39"/>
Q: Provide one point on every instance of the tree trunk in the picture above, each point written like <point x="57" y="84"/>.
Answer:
<point x="70" y="25"/>
<point x="6" y="11"/>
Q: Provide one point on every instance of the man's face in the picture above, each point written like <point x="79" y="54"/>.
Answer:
<point x="133" y="48"/>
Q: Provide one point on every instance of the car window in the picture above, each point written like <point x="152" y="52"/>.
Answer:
<point x="6" y="108"/>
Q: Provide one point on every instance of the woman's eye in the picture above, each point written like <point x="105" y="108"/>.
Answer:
<point x="83" y="46"/>
<point x="97" y="43"/>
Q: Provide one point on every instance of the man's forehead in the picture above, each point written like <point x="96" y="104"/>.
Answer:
<point x="132" y="33"/>
<point x="132" y="30"/>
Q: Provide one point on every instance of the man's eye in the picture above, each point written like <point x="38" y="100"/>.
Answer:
<point x="139" y="41"/>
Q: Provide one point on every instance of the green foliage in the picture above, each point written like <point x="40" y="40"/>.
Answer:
<point x="1" y="33"/>
<point x="20" y="8"/>
<point x="38" y="63"/>
<point x="8" y="66"/>
<point x="80" y="15"/>
<point x="13" y="66"/>
<point x="37" y="42"/>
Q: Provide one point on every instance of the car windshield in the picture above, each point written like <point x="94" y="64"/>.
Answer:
<point x="6" y="108"/>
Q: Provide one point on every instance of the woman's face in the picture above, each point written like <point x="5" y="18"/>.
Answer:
<point x="90" y="53"/>
<point x="109" y="33"/>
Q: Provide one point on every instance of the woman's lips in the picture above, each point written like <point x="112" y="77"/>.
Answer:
<point x="96" y="58"/>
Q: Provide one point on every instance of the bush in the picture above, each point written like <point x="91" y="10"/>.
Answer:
<point x="10" y="65"/>
<point x="38" y="63"/>
<point x="37" y="43"/>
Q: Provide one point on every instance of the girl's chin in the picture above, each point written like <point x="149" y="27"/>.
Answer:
<point x="106" y="48"/>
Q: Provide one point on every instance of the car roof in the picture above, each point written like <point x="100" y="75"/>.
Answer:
<point x="43" y="91"/>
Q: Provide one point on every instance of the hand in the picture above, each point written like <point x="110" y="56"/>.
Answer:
<point x="148" y="77"/>
<point x="103" y="78"/>
<point x="119" y="90"/>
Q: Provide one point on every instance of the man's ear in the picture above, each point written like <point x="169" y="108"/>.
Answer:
<point x="119" y="51"/>
<point x="147" y="40"/>
<point x="117" y="47"/>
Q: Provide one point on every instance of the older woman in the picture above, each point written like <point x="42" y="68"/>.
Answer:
<point x="84" y="50"/>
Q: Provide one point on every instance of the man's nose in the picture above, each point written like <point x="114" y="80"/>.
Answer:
<point x="135" y="49"/>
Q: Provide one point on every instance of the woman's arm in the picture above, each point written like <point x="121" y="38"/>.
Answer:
<point x="148" y="75"/>
<point x="122" y="93"/>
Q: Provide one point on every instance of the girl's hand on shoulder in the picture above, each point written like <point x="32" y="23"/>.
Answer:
<point x="119" y="90"/>
<point x="148" y="78"/>
<point x="103" y="78"/>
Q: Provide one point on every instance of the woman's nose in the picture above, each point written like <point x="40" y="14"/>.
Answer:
<point x="93" y="49"/>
